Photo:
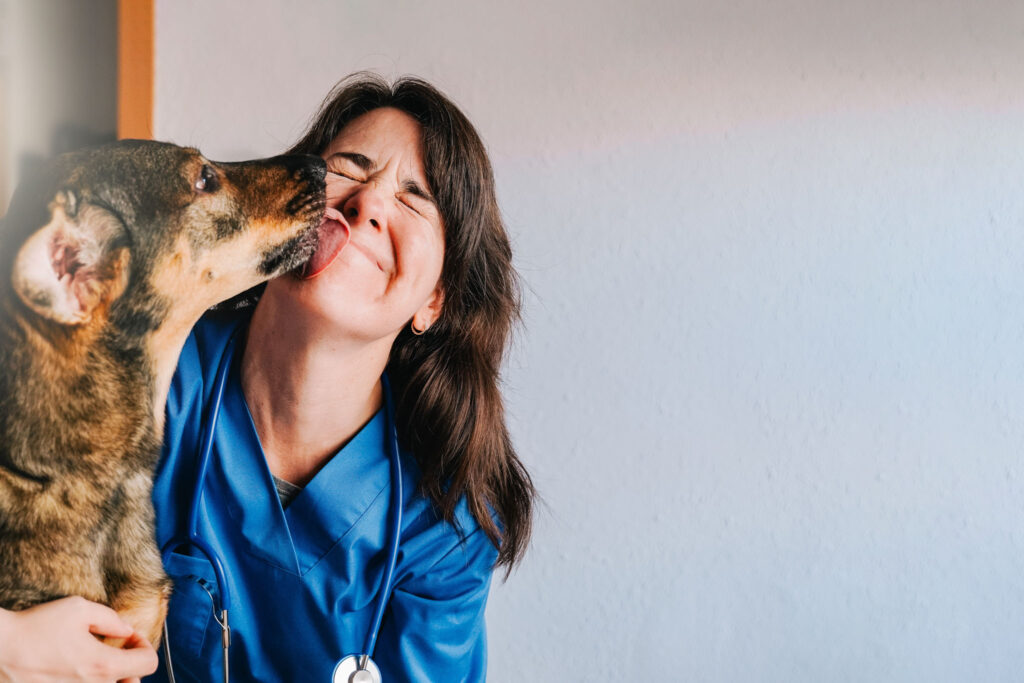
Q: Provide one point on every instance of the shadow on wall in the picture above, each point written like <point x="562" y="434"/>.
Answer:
<point x="58" y="82"/>
<point x="5" y="97"/>
<point x="5" y="191"/>
<point x="66" y="137"/>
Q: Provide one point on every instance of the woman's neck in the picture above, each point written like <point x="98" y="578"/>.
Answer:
<point x="309" y="390"/>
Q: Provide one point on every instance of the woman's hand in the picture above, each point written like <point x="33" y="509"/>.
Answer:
<point x="56" y="641"/>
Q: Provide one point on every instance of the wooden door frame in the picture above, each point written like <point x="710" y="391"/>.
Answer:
<point x="135" y="28"/>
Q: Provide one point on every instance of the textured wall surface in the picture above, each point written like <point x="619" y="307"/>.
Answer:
<point x="771" y="381"/>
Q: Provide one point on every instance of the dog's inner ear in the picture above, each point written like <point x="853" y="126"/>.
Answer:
<point x="70" y="266"/>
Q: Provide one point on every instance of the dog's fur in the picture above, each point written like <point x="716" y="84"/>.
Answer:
<point x="107" y="259"/>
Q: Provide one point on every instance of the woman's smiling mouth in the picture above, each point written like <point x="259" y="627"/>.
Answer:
<point x="365" y="251"/>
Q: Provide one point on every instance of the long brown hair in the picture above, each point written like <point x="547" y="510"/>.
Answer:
<point x="449" y="410"/>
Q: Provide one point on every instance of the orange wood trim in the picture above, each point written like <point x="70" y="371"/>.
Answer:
<point x="135" y="68"/>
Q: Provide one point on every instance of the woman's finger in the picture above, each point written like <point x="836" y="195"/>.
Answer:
<point x="104" y="621"/>
<point x="137" y="640"/>
<point x="130" y="664"/>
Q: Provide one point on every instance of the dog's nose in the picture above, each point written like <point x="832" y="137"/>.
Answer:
<point x="304" y="167"/>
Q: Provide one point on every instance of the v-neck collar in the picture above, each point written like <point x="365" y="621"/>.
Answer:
<point x="338" y="496"/>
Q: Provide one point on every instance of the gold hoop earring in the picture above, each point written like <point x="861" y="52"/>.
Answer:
<point x="417" y="332"/>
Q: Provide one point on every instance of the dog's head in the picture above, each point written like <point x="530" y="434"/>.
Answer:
<point x="142" y="231"/>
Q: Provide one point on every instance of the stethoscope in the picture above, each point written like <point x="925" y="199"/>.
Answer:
<point x="355" y="668"/>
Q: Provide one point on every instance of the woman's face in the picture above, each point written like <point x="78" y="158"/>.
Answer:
<point x="389" y="271"/>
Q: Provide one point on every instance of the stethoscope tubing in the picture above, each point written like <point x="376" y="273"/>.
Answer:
<point x="205" y="455"/>
<point x="396" y="518"/>
<point x="221" y="576"/>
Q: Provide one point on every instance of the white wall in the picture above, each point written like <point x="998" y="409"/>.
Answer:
<point x="771" y="384"/>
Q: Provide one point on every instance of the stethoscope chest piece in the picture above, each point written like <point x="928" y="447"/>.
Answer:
<point x="348" y="671"/>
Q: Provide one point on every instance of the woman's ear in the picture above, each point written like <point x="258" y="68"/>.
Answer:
<point x="430" y="311"/>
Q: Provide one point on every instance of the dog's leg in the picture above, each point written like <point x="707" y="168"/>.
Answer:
<point x="137" y="586"/>
<point x="145" y="609"/>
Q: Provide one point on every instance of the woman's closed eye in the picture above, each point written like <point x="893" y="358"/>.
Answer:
<point x="410" y="202"/>
<point x="347" y="174"/>
<point x="351" y="165"/>
<point x="416" y="198"/>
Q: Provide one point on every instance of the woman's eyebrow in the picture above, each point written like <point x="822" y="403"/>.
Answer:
<point x="364" y="163"/>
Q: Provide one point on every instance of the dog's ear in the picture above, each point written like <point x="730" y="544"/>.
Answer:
<point x="72" y="264"/>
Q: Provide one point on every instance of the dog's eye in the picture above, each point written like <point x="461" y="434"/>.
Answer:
<point x="208" y="181"/>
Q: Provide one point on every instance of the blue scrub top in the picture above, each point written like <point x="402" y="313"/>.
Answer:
<point x="305" y="580"/>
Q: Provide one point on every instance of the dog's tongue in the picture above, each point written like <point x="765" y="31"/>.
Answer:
<point x="332" y="238"/>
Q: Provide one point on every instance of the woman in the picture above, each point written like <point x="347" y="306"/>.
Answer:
<point x="412" y="279"/>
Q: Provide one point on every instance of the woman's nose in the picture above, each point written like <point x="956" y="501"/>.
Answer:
<point x="365" y="206"/>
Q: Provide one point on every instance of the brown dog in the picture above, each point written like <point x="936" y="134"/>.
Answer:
<point x="107" y="259"/>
